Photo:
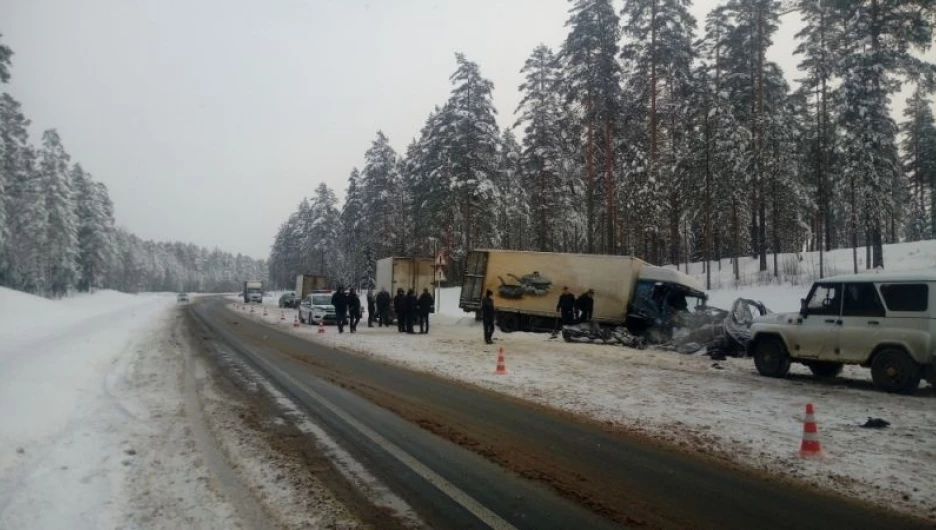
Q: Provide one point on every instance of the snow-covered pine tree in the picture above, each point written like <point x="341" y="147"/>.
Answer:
<point x="61" y="238"/>
<point x="540" y="112"/>
<point x="512" y="198"/>
<point x="471" y="137"/>
<point x="325" y="228"/>
<point x="657" y="59"/>
<point x="593" y="84"/>
<point x="351" y="261"/>
<point x="820" y="46"/>
<point x="919" y="163"/>
<point x="5" y="54"/>
<point x="881" y="36"/>
<point x="380" y="189"/>
<point x="13" y="143"/>
<point x="27" y="222"/>
<point x="94" y="213"/>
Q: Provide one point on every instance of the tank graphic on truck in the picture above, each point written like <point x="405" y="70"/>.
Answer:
<point x="526" y="287"/>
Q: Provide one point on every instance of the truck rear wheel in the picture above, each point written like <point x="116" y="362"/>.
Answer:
<point x="894" y="371"/>
<point x="771" y="357"/>
<point x="825" y="369"/>
<point x="508" y="322"/>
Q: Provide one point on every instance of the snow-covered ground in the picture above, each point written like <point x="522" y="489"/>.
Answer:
<point x="724" y="409"/>
<point x="102" y="426"/>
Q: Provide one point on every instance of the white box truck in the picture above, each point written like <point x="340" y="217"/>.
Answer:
<point x="253" y="291"/>
<point x="405" y="273"/>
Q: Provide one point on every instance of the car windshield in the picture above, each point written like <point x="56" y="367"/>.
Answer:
<point x="321" y="299"/>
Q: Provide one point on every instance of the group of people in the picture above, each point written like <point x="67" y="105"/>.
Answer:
<point x="574" y="310"/>
<point x="410" y="310"/>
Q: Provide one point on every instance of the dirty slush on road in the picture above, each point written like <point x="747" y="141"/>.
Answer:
<point x="284" y="468"/>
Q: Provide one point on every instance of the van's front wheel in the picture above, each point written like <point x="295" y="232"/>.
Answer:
<point x="771" y="357"/>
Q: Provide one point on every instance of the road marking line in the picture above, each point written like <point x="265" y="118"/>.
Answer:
<point x="463" y="499"/>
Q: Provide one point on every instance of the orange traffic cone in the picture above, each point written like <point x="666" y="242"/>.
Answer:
<point x="251" y="309"/>
<point x="296" y="322"/>
<point x="282" y="316"/>
<point x="321" y="328"/>
<point x="810" y="448"/>
<point x="264" y="312"/>
<point x="501" y="363"/>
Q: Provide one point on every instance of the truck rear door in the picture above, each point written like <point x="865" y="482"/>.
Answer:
<point x="473" y="283"/>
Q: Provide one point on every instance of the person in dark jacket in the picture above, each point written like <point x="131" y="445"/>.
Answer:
<point x="487" y="317"/>
<point x="354" y="309"/>
<point x="410" y="309"/>
<point x="371" y="308"/>
<point x="340" y="301"/>
<point x="566" y="307"/>
<point x="424" y="306"/>
<point x="586" y="306"/>
<point x="399" y="307"/>
<point x="383" y="307"/>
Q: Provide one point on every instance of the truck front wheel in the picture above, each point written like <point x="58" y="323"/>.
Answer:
<point x="771" y="357"/>
<point x="894" y="371"/>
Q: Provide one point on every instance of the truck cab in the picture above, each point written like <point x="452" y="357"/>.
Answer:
<point x="660" y="297"/>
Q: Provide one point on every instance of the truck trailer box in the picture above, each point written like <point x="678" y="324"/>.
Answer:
<point x="405" y="273"/>
<point x="306" y="283"/>
<point x="529" y="283"/>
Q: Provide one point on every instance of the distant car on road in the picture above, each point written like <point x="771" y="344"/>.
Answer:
<point x="317" y="307"/>
<point x="885" y="322"/>
<point x="287" y="299"/>
<point x="182" y="297"/>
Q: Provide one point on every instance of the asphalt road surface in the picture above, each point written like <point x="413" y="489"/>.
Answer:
<point x="464" y="457"/>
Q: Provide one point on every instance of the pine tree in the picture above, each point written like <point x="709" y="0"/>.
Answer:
<point x="592" y="81"/>
<point x="543" y="176"/>
<point x="13" y="144"/>
<point x="94" y="212"/>
<point x="5" y="54"/>
<point x="380" y="188"/>
<point x="352" y="260"/>
<point x="470" y="137"/>
<point x="513" y="215"/>
<point x="919" y="163"/>
<point x="61" y="237"/>
<point x="27" y="222"/>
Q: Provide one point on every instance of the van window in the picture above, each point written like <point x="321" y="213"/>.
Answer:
<point x="906" y="296"/>
<point x="861" y="300"/>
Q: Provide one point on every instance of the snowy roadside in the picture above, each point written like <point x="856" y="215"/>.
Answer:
<point x="723" y="409"/>
<point x="98" y="433"/>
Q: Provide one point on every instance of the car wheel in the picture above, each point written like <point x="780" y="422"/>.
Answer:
<point x="824" y="369"/>
<point x="894" y="371"/>
<point x="771" y="357"/>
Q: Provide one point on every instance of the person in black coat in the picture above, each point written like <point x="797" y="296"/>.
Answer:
<point x="566" y="307"/>
<point x="383" y="307"/>
<point x="424" y="306"/>
<point x="354" y="309"/>
<point x="340" y="301"/>
<point x="487" y="317"/>
<point x="399" y="307"/>
<point x="371" y="308"/>
<point x="410" y="308"/>
<point x="586" y="306"/>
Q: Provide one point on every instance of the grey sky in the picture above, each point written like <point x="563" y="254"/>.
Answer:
<point x="210" y="119"/>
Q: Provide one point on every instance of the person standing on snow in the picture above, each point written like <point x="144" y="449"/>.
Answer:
<point x="487" y="317"/>
<point x="566" y="307"/>
<point x="399" y="307"/>
<point x="371" y="308"/>
<point x="409" y="306"/>
<point x="354" y="309"/>
<point x="586" y="306"/>
<point x="340" y="301"/>
<point x="424" y="306"/>
<point x="383" y="307"/>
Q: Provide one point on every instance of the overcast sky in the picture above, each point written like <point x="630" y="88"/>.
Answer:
<point x="209" y="120"/>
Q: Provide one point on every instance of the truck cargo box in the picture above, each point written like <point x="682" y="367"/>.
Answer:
<point x="306" y="283"/>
